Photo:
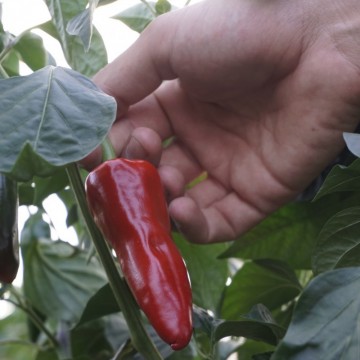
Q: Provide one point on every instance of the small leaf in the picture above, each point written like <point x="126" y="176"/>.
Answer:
<point x="252" y="348"/>
<point x="100" y="304"/>
<point x="257" y="325"/>
<point x="50" y="118"/>
<point x="339" y="242"/>
<point x="162" y="7"/>
<point x="49" y="185"/>
<point x="266" y="281"/>
<point x="341" y="178"/>
<point x="81" y="24"/>
<point x="31" y="49"/>
<point x="352" y="142"/>
<point x="325" y="323"/>
<point x="87" y="62"/>
<point x="137" y="17"/>
<point x="90" y="341"/>
<point x="11" y="64"/>
<point x="58" y="278"/>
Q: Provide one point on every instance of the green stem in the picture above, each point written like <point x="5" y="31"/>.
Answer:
<point x="108" y="152"/>
<point x="122" y="293"/>
<point x="34" y="318"/>
<point x="149" y="7"/>
<point x="17" y="342"/>
<point x="3" y="73"/>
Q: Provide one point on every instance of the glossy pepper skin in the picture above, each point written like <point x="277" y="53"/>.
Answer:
<point x="127" y="202"/>
<point x="9" y="246"/>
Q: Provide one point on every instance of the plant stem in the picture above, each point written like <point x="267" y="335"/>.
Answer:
<point x="34" y="318"/>
<point x="108" y="152"/>
<point x="149" y="7"/>
<point x="122" y="293"/>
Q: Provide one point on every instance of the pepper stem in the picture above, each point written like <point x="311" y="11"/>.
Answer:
<point x="108" y="152"/>
<point x="122" y="293"/>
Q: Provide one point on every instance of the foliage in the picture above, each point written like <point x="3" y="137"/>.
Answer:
<point x="288" y="289"/>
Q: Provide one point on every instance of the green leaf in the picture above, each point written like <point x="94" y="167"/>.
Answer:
<point x="270" y="282"/>
<point x="352" y="142"/>
<point x="86" y="61"/>
<point x="50" y="185"/>
<point x="34" y="192"/>
<point x="257" y="325"/>
<point x="341" y="178"/>
<point x="50" y="29"/>
<point x="325" y="324"/>
<point x="11" y="63"/>
<point x="208" y="274"/>
<point x="100" y="304"/>
<point x="263" y="356"/>
<point x="339" y="242"/>
<point x="289" y="234"/>
<point x="162" y="7"/>
<point x="50" y="118"/>
<point x="58" y="278"/>
<point x="14" y="341"/>
<point x="252" y="348"/>
<point x="137" y="17"/>
<point x="90" y="342"/>
<point x="81" y="24"/>
<point x="47" y="355"/>
<point x="31" y="49"/>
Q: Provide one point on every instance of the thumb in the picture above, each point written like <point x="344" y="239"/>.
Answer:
<point x="141" y="69"/>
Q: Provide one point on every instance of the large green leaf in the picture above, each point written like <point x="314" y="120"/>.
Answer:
<point x="208" y="274"/>
<point x="325" y="324"/>
<point x="290" y="234"/>
<point x="58" y="278"/>
<point x="50" y="118"/>
<point x="270" y="282"/>
<point x="339" y="242"/>
<point x="138" y="17"/>
<point x="341" y="178"/>
<point x="86" y="61"/>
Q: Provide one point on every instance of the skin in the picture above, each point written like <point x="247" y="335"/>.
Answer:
<point x="255" y="93"/>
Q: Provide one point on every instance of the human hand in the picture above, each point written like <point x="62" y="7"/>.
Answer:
<point x="257" y="95"/>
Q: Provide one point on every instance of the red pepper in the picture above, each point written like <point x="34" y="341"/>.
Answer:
<point x="127" y="202"/>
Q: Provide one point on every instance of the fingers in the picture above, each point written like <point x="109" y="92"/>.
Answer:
<point x="223" y="220"/>
<point x="141" y="69"/>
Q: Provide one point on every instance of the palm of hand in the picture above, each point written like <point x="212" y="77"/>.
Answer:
<point x="262" y="148"/>
<point x="262" y="116"/>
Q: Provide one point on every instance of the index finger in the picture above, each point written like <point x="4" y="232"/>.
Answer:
<point x="141" y="69"/>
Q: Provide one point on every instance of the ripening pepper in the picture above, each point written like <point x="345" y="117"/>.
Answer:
<point x="127" y="202"/>
<point x="9" y="246"/>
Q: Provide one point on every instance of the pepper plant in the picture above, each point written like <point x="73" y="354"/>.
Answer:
<point x="288" y="289"/>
